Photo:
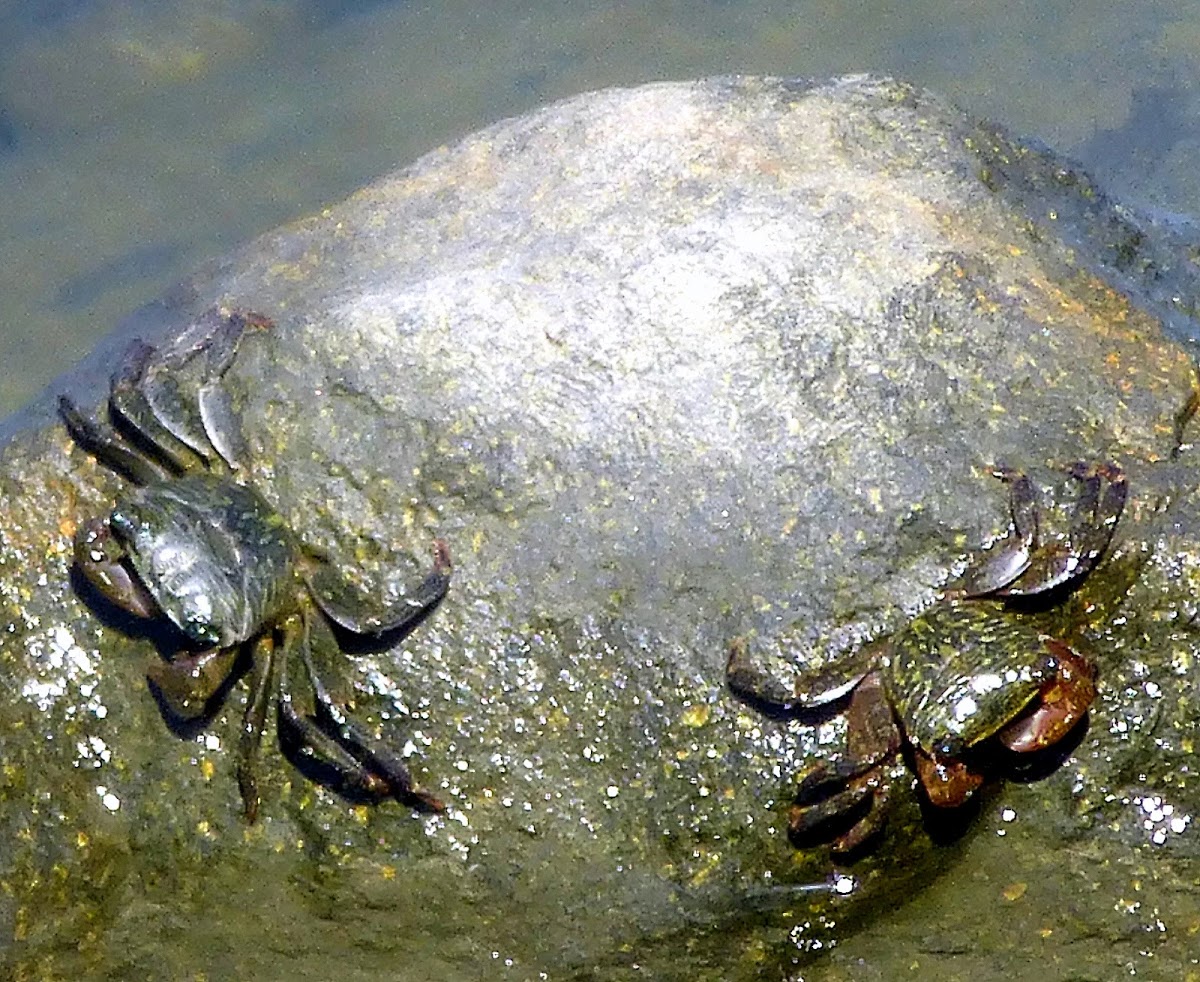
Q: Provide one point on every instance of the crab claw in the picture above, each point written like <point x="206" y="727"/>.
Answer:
<point x="1060" y="705"/>
<point x="859" y="811"/>
<point x="947" y="782"/>
<point x="100" y="558"/>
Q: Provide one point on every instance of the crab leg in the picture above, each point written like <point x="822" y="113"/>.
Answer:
<point x="328" y="588"/>
<point x="1011" y="557"/>
<point x="131" y="406"/>
<point x="254" y="721"/>
<point x="1054" y="565"/>
<point x="367" y="751"/>
<point x="103" y="443"/>
<point x="342" y="749"/>
<point x="300" y="737"/>
<point x="187" y="685"/>
<point x="872" y="741"/>
<point x="174" y="400"/>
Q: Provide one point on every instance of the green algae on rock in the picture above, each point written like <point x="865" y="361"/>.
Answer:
<point x="665" y="366"/>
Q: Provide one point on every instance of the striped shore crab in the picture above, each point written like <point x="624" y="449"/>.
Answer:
<point x="191" y="544"/>
<point x="963" y="674"/>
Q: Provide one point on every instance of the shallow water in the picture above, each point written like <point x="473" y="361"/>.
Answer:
<point x="135" y="141"/>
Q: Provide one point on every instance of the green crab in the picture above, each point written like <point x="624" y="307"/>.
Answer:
<point x="964" y="673"/>
<point x="191" y="544"/>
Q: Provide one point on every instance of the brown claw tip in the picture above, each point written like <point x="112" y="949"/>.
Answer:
<point x="425" y="802"/>
<point x="260" y="321"/>
<point x="442" y="562"/>
<point x="947" y="783"/>
<point x="249" y="318"/>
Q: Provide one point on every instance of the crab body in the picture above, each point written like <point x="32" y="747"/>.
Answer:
<point x="212" y="554"/>
<point x="191" y="544"/>
<point x="966" y="672"/>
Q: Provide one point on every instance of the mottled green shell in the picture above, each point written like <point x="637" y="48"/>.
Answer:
<point x="213" y="554"/>
<point x="960" y="672"/>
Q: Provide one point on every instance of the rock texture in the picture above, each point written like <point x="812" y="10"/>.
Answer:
<point x="664" y="366"/>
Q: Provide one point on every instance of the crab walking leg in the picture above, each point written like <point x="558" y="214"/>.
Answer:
<point x="371" y="754"/>
<point x="1011" y="556"/>
<point x="174" y="399"/>
<point x="262" y="690"/>
<point x="1096" y="515"/>
<point x="301" y="739"/>
<point x="1054" y="565"/>
<point x="854" y="788"/>
<point x="103" y="443"/>
<point x="129" y="404"/>
<point x="304" y="740"/>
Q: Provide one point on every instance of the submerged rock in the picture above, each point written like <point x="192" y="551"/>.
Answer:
<point x="664" y="366"/>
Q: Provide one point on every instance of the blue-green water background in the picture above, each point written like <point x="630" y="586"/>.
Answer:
<point x="136" y="139"/>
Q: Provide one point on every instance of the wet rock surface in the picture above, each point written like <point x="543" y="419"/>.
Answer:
<point x="664" y="366"/>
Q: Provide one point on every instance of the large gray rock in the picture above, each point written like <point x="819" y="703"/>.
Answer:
<point x="664" y="366"/>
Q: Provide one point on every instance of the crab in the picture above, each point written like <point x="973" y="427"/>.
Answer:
<point x="965" y="674"/>
<point x="191" y="544"/>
